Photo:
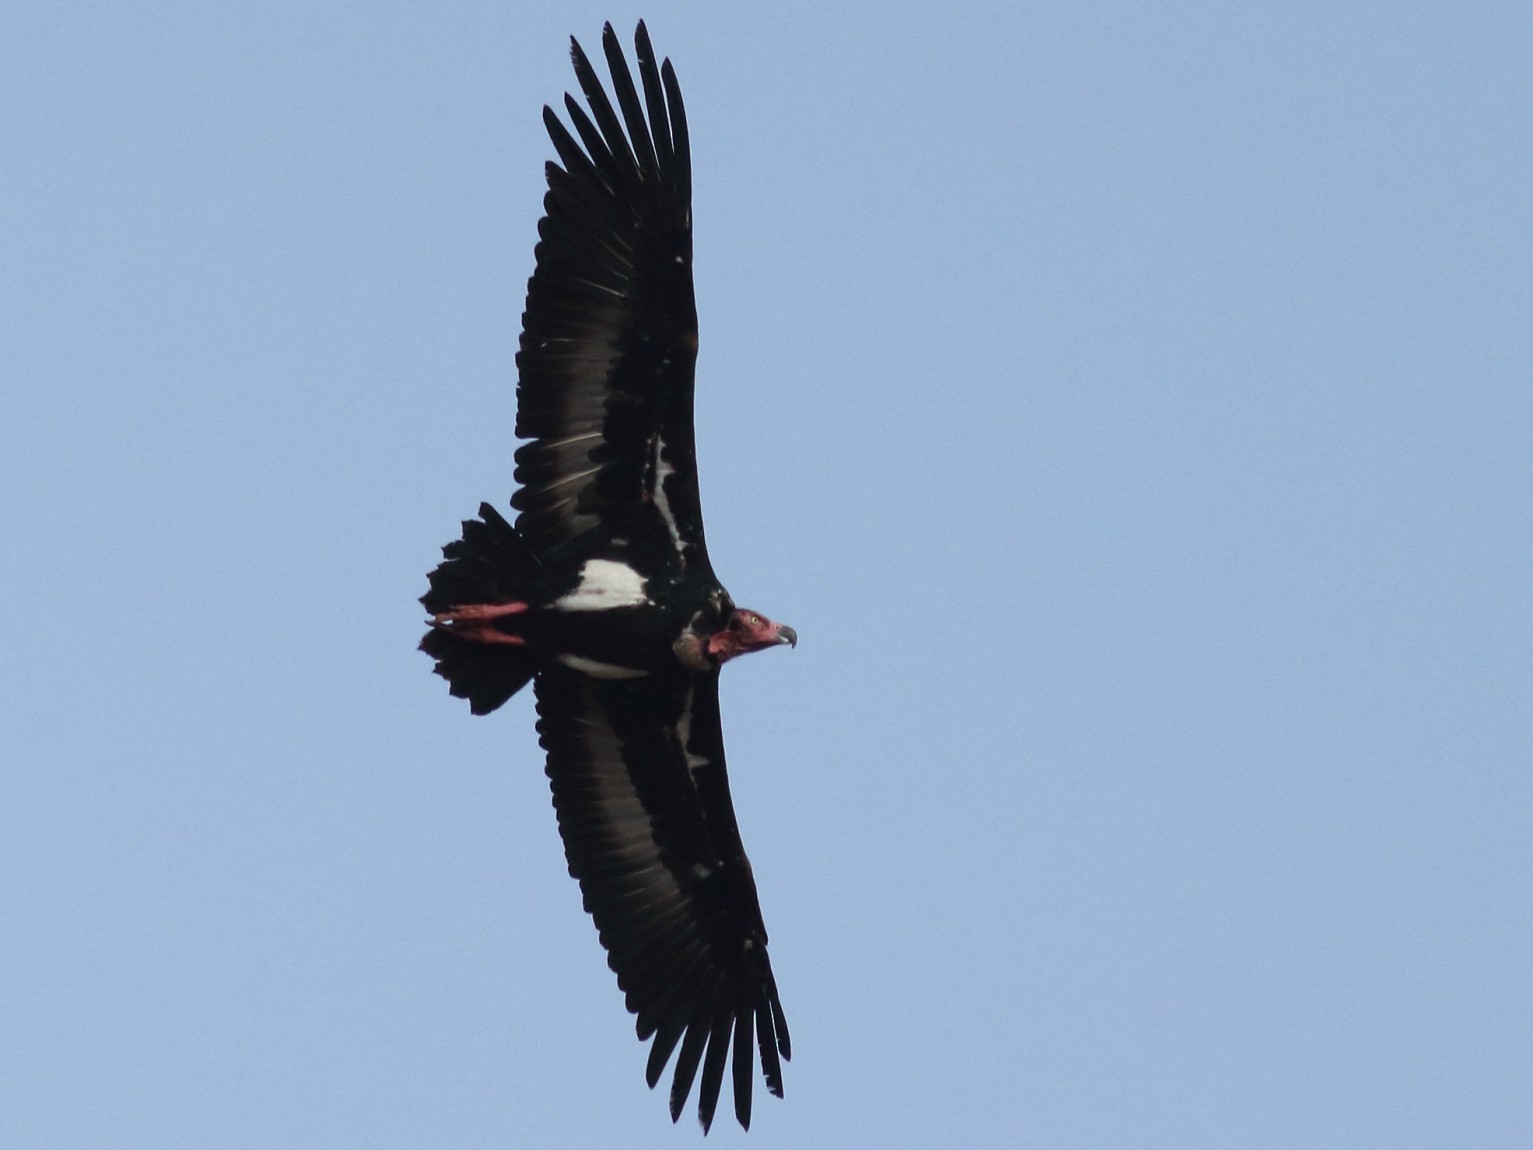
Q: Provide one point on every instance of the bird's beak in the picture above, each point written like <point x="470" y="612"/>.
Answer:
<point x="787" y="635"/>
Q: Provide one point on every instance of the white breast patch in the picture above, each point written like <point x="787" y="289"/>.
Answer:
<point x="604" y="584"/>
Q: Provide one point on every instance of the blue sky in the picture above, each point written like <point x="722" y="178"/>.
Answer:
<point x="1129" y="405"/>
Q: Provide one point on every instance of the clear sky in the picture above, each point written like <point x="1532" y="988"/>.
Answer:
<point x="1130" y="405"/>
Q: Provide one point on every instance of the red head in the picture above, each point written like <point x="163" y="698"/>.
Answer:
<point x="747" y="631"/>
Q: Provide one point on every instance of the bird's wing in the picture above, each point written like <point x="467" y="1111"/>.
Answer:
<point x="609" y="337"/>
<point x="637" y="768"/>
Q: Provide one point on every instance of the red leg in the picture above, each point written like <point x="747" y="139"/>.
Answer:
<point x="476" y="622"/>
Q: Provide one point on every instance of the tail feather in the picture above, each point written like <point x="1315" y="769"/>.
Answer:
<point x="489" y="564"/>
<point x="485" y="676"/>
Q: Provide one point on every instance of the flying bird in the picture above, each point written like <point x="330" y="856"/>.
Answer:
<point x="602" y="596"/>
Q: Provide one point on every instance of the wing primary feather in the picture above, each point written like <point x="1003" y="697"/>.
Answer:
<point x="779" y="1023"/>
<point x="713" y="1064"/>
<point x="766" y="1041"/>
<point x="601" y="109"/>
<point x="654" y="101"/>
<point x="666" y="1039"/>
<point x="686" y="1064"/>
<point x="628" y="101"/>
<point x="576" y="163"/>
<point x="679" y="137"/>
<point x="591" y="137"/>
<point x="744" y="1063"/>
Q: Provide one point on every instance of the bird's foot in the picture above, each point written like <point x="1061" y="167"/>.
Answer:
<point x="476" y="622"/>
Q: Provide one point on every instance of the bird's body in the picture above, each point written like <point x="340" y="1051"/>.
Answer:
<point x="602" y="595"/>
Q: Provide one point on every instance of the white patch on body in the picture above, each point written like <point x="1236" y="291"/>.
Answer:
<point x="598" y="670"/>
<point x="604" y="584"/>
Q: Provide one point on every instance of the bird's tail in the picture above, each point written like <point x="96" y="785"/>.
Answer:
<point x="488" y="566"/>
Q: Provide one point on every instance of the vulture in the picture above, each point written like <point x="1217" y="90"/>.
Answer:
<point x="600" y="593"/>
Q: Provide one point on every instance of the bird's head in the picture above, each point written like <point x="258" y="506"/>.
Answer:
<point x="746" y="631"/>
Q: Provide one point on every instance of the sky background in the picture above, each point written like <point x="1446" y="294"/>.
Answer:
<point x="1131" y="406"/>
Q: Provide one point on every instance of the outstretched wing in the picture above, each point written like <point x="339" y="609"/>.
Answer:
<point x="637" y="768"/>
<point x="609" y="337"/>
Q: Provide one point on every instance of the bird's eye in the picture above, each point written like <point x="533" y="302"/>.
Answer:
<point x="755" y="620"/>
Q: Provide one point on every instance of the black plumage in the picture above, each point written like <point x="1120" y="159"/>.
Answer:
<point x="601" y="593"/>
